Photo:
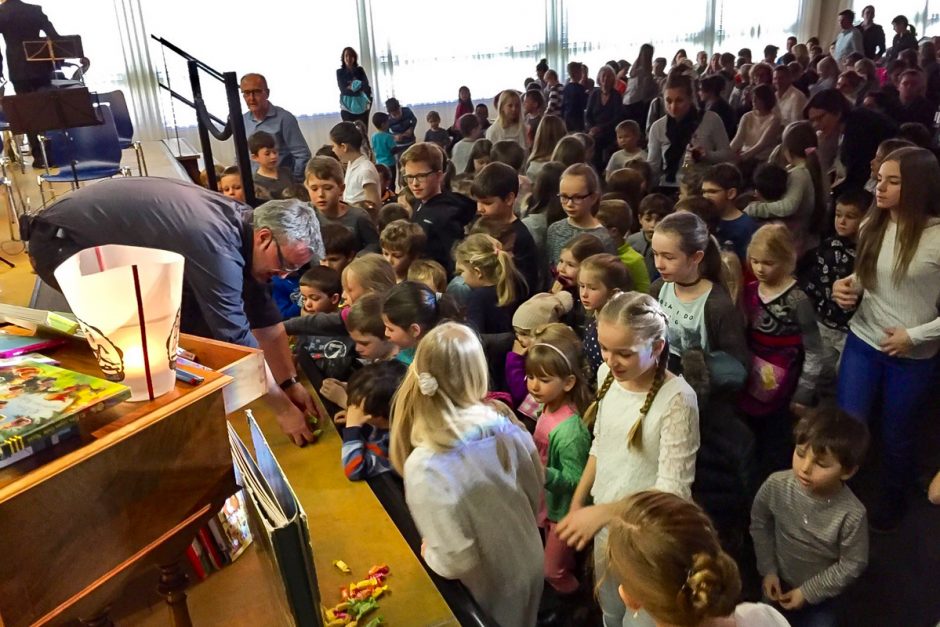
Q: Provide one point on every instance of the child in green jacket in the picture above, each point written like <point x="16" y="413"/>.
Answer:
<point x="556" y="379"/>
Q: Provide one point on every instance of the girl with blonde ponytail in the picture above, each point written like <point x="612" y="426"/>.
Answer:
<point x="664" y="554"/>
<point x="496" y="286"/>
<point x="645" y="432"/>
<point x="473" y="479"/>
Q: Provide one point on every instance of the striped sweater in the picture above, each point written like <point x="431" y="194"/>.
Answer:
<point x="365" y="452"/>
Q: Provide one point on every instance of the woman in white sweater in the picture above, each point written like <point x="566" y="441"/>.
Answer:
<point x="473" y="478"/>
<point x="804" y="205"/>
<point x="894" y="335"/>
<point x="684" y="128"/>
<point x="759" y="130"/>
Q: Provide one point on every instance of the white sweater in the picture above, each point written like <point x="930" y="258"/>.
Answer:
<point x="475" y="506"/>
<point x="710" y="135"/>
<point x="910" y="304"/>
<point x="791" y="105"/>
<point x="665" y="460"/>
<point x="757" y="135"/>
<point x="515" y="133"/>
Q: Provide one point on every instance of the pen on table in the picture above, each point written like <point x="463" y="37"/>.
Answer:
<point x="188" y="377"/>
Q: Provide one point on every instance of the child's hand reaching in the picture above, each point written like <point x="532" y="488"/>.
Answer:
<point x="792" y="600"/>
<point x="334" y="391"/>
<point x="581" y="525"/>
<point x="772" y="587"/>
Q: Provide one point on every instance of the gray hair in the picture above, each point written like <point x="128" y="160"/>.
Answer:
<point x="291" y="221"/>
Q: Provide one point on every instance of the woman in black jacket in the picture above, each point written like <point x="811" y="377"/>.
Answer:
<point x="355" y="94"/>
<point x="603" y="113"/>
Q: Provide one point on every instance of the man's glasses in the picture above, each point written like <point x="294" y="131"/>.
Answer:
<point x="420" y="177"/>
<point x="576" y="199"/>
<point x="282" y="263"/>
<point x="252" y="92"/>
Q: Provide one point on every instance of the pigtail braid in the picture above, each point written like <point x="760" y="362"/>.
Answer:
<point x="635" y="437"/>
<point x="590" y="414"/>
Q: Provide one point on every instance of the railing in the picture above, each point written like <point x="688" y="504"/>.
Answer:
<point x="233" y="128"/>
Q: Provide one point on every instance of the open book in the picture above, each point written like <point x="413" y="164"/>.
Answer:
<point x="281" y="524"/>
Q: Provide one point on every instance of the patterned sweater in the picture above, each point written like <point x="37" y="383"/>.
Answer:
<point x="365" y="452"/>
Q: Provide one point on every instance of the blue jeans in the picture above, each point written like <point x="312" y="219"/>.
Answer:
<point x="822" y="614"/>
<point x="867" y="374"/>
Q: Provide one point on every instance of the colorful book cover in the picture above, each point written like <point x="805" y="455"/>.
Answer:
<point x="234" y="521"/>
<point x="41" y="403"/>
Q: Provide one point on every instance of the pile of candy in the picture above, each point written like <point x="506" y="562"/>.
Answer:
<point x="359" y="598"/>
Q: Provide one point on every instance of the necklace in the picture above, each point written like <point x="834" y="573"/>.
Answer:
<point x="690" y="284"/>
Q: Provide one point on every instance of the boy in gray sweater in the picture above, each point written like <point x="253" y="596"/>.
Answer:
<point x="810" y="531"/>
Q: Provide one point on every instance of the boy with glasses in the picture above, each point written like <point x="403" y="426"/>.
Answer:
<point x="442" y="214"/>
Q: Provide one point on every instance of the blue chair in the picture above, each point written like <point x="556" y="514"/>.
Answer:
<point x="94" y="150"/>
<point x="125" y="126"/>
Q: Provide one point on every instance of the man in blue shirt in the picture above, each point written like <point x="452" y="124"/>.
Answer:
<point x="231" y="254"/>
<point x="849" y="39"/>
<point x="263" y="116"/>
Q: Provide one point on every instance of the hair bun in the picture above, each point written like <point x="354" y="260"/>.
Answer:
<point x="712" y="587"/>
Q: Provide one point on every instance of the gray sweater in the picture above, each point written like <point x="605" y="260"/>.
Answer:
<point x="817" y="544"/>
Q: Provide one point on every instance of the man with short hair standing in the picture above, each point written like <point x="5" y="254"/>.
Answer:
<point x="849" y="39"/>
<point x="263" y="116"/>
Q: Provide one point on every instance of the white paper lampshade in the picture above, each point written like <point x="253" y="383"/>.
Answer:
<point x="127" y="300"/>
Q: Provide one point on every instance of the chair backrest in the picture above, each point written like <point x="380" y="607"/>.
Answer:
<point x="98" y="143"/>
<point x="122" y="115"/>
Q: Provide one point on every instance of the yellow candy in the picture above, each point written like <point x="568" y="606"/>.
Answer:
<point x="340" y="564"/>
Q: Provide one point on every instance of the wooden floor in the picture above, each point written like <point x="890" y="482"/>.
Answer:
<point x="228" y="597"/>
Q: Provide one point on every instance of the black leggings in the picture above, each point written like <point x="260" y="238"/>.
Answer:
<point x="352" y="117"/>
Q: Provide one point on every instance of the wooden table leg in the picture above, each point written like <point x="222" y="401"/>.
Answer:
<point x="172" y="586"/>
<point x="101" y="620"/>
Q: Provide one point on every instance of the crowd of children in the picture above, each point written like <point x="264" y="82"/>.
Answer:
<point x="559" y="320"/>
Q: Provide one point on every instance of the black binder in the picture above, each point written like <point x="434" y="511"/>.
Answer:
<point x="279" y="524"/>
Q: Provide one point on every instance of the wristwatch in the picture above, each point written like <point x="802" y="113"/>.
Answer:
<point x="288" y="382"/>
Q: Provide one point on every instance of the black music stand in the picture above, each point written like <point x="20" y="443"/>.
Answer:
<point x="51" y="110"/>
<point x="53" y="50"/>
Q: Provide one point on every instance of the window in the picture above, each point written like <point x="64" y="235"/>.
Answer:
<point x="295" y="46"/>
<point x="746" y="24"/>
<point x="599" y="31"/>
<point x="424" y="53"/>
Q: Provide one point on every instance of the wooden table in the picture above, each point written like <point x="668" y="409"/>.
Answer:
<point x="347" y="522"/>
<point x="79" y="520"/>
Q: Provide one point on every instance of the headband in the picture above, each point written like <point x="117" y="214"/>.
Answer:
<point x="557" y="350"/>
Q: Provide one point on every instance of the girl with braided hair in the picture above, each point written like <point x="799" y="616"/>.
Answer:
<point x="646" y="433"/>
<point x="664" y="552"/>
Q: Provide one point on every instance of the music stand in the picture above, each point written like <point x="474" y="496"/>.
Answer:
<point x="52" y="50"/>
<point x="51" y="110"/>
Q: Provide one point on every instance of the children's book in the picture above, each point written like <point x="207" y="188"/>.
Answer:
<point x="12" y="345"/>
<point x="40" y="404"/>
